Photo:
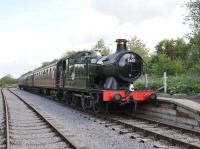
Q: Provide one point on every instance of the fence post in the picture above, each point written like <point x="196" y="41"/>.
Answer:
<point x="165" y="82"/>
<point x="146" y="80"/>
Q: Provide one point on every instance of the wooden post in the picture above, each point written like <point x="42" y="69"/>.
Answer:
<point x="146" y="81"/>
<point x="165" y="82"/>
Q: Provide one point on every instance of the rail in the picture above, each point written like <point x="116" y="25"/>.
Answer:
<point x="66" y="139"/>
<point x="6" y="120"/>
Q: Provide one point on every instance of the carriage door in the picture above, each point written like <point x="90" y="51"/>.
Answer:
<point x="63" y="74"/>
<point x="60" y="73"/>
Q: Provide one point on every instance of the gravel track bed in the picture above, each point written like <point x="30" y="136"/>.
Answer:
<point x="57" y="145"/>
<point x="2" y="124"/>
<point x="38" y="141"/>
<point x="40" y="135"/>
<point x="87" y="130"/>
<point x="169" y="132"/>
<point x="27" y="130"/>
<point x="30" y="128"/>
<point x="26" y="125"/>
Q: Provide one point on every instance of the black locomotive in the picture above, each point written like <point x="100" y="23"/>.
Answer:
<point x="91" y="80"/>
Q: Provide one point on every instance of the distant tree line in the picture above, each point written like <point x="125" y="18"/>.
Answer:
<point x="7" y="80"/>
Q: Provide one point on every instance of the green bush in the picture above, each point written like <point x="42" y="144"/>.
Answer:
<point x="195" y="68"/>
<point x="189" y="84"/>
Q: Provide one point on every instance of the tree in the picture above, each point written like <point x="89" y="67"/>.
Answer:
<point x="137" y="46"/>
<point x="173" y="48"/>
<point x="166" y="47"/>
<point x="49" y="62"/>
<point x="195" y="47"/>
<point x="194" y="53"/>
<point x="46" y="64"/>
<point x="8" y="79"/>
<point x="162" y="63"/>
<point x="193" y="17"/>
<point x="100" y="45"/>
<point x="181" y="49"/>
<point x="68" y="53"/>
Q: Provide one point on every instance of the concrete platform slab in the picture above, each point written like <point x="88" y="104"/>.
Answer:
<point x="185" y="103"/>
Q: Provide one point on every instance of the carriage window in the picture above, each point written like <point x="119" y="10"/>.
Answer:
<point x="52" y="74"/>
<point x="71" y="61"/>
<point x="67" y="62"/>
<point x="49" y="72"/>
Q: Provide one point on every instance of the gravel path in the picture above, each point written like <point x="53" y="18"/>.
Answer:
<point x="27" y="130"/>
<point x="84" y="129"/>
<point x="2" y="124"/>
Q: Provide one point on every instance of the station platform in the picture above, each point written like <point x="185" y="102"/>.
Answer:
<point x="189" y="104"/>
<point x="176" y="111"/>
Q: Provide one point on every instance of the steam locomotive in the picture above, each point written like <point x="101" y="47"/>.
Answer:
<point x="90" y="80"/>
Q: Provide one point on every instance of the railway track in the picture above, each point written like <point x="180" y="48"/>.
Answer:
<point x="25" y="127"/>
<point x="126" y="124"/>
<point x="173" y="134"/>
<point x="3" y="123"/>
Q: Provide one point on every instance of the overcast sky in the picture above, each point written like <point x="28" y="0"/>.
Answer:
<point x="34" y="31"/>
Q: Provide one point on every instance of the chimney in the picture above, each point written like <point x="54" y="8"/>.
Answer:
<point x="121" y="45"/>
